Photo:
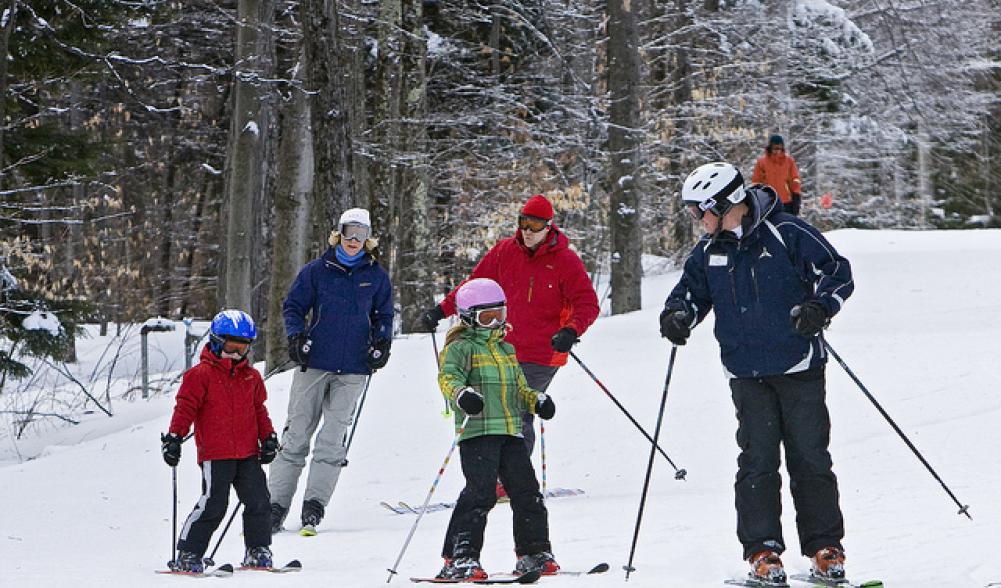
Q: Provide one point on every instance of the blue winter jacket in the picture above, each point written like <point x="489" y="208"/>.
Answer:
<point x="755" y="281"/>
<point x="350" y="309"/>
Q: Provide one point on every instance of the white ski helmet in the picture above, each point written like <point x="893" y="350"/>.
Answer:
<point x="714" y="187"/>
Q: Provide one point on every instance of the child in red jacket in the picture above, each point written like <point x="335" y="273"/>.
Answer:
<point x="224" y="397"/>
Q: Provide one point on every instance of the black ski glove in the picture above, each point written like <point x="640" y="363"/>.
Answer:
<point x="432" y="317"/>
<point x="298" y="348"/>
<point x="170" y="446"/>
<point x="378" y="354"/>
<point x="470" y="401"/>
<point x="269" y="448"/>
<point x="564" y="339"/>
<point x="545" y="407"/>
<point x="674" y="325"/>
<point x="809" y="318"/>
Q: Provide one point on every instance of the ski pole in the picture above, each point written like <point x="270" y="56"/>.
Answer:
<point x="649" y="466"/>
<point x="679" y="474"/>
<point x="434" y="341"/>
<point x="542" y="447"/>
<point x="278" y="369"/>
<point x="173" y="535"/>
<point x="209" y="561"/>
<point x="354" y="420"/>
<point x="423" y="509"/>
<point x="963" y="509"/>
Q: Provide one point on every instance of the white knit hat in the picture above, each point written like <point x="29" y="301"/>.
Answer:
<point x="355" y="215"/>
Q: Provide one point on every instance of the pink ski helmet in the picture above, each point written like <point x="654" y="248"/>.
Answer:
<point x="476" y="295"/>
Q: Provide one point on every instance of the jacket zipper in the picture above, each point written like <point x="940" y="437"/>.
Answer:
<point x="531" y="282"/>
<point x="754" y="280"/>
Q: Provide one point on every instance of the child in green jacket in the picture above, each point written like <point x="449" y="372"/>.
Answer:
<point x="481" y="377"/>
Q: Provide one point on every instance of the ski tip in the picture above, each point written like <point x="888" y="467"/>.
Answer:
<point x="225" y="568"/>
<point x="599" y="569"/>
<point x="530" y="577"/>
<point x="307" y="532"/>
<point x="294" y="564"/>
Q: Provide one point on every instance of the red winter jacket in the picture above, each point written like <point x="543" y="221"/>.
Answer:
<point x="226" y="404"/>
<point x="545" y="291"/>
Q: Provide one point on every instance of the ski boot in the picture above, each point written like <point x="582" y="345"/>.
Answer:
<point x="543" y="561"/>
<point x="828" y="563"/>
<point x="188" y="561"/>
<point x="462" y="568"/>
<point x="258" y="557"/>
<point x="312" y="514"/>
<point x="766" y="567"/>
<point x="278" y="514"/>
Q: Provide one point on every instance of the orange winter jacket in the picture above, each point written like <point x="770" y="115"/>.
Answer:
<point x="778" y="170"/>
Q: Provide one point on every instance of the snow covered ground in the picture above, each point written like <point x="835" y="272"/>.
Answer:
<point x="95" y="508"/>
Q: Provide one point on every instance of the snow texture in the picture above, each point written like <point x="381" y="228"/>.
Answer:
<point x="94" y="506"/>
<point x="40" y="320"/>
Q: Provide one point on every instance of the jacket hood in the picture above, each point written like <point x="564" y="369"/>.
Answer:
<point x="555" y="241"/>
<point x="762" y="202"/>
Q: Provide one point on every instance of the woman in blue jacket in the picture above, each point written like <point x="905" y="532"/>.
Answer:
<point x="348" y="298"/>
<point x="774" y="283"/>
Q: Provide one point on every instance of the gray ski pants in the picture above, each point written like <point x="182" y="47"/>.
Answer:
<point x="314" y="393"/>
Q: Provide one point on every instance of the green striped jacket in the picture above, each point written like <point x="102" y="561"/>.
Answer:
<point x="482" y="359"/>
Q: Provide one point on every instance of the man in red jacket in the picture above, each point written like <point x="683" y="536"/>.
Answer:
<point x="550" y="299"/>
<point x="223" y="396"/>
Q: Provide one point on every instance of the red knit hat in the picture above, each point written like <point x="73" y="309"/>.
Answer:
<point x="539" y="207"/>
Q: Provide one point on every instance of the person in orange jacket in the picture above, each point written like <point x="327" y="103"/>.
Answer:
<point x="778" y="169"/>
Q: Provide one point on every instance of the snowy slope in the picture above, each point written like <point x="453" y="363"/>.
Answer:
<point x="919" y="332"/>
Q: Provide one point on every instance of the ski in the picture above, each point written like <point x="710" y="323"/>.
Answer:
<point x="307" y="531"/>
<point x="292" y="566"/>
<point x="755" y="583"/>
<point x="223" y="571"/>
<point x="404" y="508"/>
<point x="529" y="578"/>
<point x="395" y="509"/>
<point x="844" y="583"/>
<point x="598" y="569"/>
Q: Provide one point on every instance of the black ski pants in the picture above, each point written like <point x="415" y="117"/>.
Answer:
<point x="538" y="377"/>
<point x="483" y="460"/>
<point x="247" y="477"/>
<point x="788" y="410"/>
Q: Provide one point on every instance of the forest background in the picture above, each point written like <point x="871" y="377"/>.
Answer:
<point x="169" y="158"/>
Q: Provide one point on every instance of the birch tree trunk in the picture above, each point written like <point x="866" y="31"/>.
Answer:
<point x="247" y="171"/>
<point x="624" y="137"/>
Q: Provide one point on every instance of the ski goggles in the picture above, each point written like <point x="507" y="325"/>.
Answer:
<point x="532" y="223"/>
<point x="236" y="346"/>
<point x="699" y="210"/>
<point x="355" y="232"/>
<point x="490" y="318"/>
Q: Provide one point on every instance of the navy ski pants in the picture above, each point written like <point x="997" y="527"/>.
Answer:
<point x="788" y="410"/>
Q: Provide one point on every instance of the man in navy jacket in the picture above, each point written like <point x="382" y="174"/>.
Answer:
<point x="774" y="283"/>
<point x="349" y="300"/>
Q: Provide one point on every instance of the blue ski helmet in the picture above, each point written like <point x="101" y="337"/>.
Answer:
<point x="231" y="324"/>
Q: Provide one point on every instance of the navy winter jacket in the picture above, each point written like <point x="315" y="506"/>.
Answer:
<point x="755" y="281"/>
<point x="351" y="309"/>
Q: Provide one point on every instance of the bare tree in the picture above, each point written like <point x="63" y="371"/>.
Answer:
<point x="291" y="228"/>
<point x="247" y="162"/>
<point x="624" y="142"/>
